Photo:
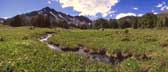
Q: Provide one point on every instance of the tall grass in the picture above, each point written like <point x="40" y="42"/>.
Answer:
<point x="20" y="50"/>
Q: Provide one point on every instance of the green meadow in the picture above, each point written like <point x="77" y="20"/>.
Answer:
<point x="21" y="50"/>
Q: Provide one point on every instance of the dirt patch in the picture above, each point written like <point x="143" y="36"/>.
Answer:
<point x="164" y="44"/>
<point x="142" y="57"/>
<point x="119" y="57"/>
<point x="66" y="49"/>
<point x="2" y="39"/>
<point x="49" y="32"/>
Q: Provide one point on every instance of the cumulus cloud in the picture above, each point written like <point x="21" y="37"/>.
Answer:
<point x="135" y="8"/>
<point x="124" y="15"/>
<point x="121" y="15"/>
<point x="162" y="6"/>
<point x="139" y="15"/>
<point x="5" y="17"/>
<point x="153" y="11"/>
<point x="90" y="7"/>
<point x="50" y="1"/>
<point x="112" y="12"/>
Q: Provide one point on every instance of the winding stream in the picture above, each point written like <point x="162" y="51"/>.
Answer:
<point x="80" y="51"/>
<point x="93" y="55"/>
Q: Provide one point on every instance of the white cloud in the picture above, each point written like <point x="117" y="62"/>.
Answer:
<point x="135" y="8"/>
<point x="154" y="12"/>
<point x="112" y="12"/>
<point x="124" y="15"/>
<point x="139" y="15"/>
<point x="5" y="17"/>
<point x="49" y="2"/>
<point x="90" y="7"/>
<point x="111" y="15"/>
<point x="162" y="6"/>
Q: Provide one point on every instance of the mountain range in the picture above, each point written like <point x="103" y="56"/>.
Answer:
<point x="48" y="17"/>
<point x="52" y="15"/>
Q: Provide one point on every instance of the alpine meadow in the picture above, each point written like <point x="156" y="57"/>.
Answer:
<point x="84" y="36"/>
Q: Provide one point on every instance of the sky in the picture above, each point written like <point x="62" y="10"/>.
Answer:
<point x="91" y="8"/>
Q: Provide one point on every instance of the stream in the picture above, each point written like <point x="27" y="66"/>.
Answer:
<point x="99" y="55"/>
<point x="80" y="51"/>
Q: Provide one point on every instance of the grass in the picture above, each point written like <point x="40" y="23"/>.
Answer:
<point x="21" y="51"/>
<point x="150" y="42"/>
<point x="136" y="40"/>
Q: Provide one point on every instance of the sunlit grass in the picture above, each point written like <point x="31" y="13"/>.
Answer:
<point x="20" y="50"/>
<point x="139" y="41"/>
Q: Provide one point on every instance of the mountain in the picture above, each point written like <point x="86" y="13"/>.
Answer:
<point x="47" y="14"/>
<point x="2" y="20"/>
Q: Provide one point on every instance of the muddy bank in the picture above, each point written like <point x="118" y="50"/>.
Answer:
<point x="94" y="55"/>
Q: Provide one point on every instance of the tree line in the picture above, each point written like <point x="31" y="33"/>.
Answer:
<point x="148" y="20"/>
<point x="36" y="21"/>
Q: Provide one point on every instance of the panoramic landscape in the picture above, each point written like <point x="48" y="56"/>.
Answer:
<point x="84" y="36"/>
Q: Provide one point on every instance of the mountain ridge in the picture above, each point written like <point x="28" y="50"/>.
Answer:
<point x="53" y="16"/>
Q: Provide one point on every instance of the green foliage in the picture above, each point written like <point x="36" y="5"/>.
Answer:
<point x="17" y="21"/>
<point x="136" y="41"/>
<point x="113" y="23"/>
<point x="162" y="21"/>
<point x="101" y="23"/>
<point x="148" y="20"/>
<point x="41" y="21"/>
<point x="20" y="50"/>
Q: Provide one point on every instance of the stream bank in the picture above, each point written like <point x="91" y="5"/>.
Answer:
<point x="94" y="55"/>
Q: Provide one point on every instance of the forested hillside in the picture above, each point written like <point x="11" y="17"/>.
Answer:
<point x="148" y="20"/>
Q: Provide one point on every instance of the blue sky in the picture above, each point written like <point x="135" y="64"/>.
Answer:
<point x="90" y="8"/>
